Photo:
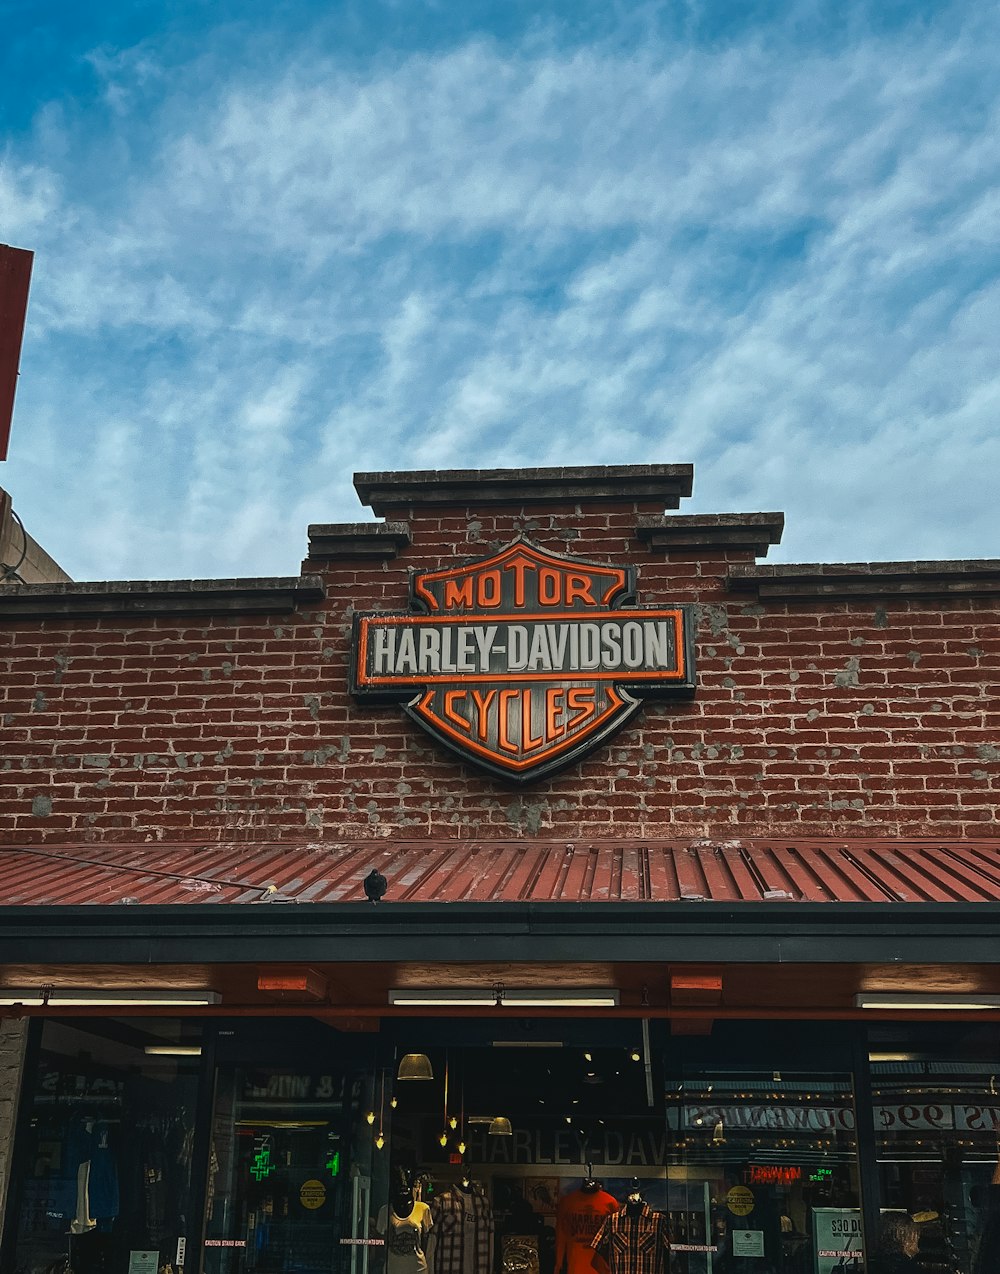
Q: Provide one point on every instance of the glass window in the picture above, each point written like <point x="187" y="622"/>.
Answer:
<point x="937" y="1129"/>
<point x="105" y="1172"/>
<point x="290" y="1172"/>
<point x="763" y="1174"/>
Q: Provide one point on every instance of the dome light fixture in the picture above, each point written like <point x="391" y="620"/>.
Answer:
<point x="415" y="1066"/>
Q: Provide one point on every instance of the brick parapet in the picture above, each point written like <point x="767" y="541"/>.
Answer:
<point x="824" y="716"/>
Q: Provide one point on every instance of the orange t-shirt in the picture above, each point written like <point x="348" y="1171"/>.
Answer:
<point x="578" y="1218"/>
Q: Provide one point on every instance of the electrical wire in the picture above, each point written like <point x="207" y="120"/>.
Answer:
<point x="10" y="573"/>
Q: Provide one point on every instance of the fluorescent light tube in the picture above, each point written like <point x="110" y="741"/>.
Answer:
<point x="509" y="997"/>
<point x="527" y="1044"/>
<point x="172" y="1050"/>
<point x="595" y="998"/>
<point x="907" y="1000"/>
<point x="65" y="997"/>
<point x="427" y="997"/>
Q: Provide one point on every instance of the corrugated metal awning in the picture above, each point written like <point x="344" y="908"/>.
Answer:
<point x="726" y="871"/>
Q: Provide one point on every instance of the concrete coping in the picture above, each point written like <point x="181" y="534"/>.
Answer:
<point x="473" y="489"/>
<point x="92" y="599"/>
<point x="845" y="580"/>
<point x="357" y="539"/>
<point x="690" y="532"/>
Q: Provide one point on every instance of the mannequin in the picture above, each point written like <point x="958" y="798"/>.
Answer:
<point x="635" y="1239"/>
<point x="406" y="1225"/>
<point x="462" y="1238"/>
<point x="402" y="1197"/>
<point x="579" y="1216"/>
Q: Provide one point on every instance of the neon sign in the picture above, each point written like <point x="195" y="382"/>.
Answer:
<point x="773" y="1174"/>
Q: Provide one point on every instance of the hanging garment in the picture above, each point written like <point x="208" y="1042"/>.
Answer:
<point x="405" y="1238"/>
<point x="103" y="1184"/>
<point x="579" y="1216"/>
<point x="634" y="1243"/>
<point x="461" y="1241"/>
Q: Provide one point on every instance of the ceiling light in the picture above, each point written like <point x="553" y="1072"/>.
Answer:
<point x="65" y="997"/>
<point x="415" y="1066"/>
<point x="906" y="1000"/>
<point x="509" y="997"/>
<point x="173" y="1050"/>
<point x="575" y="997"/>
<point x="427" y="997"/>
<point x="527" y="1044"/>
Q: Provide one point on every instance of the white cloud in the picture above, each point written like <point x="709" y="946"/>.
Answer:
<point x="777" y="262"/>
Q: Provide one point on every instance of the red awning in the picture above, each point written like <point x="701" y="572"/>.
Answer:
<point x="727" y="871"/>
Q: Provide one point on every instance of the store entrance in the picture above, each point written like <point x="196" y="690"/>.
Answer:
<point x="285" y="1182"/>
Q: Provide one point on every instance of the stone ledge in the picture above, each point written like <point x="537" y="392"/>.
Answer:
<point x="158" y="597"/>
<point x="687" y="533"/>
<point x="477" y="488"/>
<point x="357" y="540"/>
<point x="979" y="577"/>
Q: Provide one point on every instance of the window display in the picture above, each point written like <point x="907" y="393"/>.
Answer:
<point x="937" y="1127"/>
<point x="564" y="1162"/>
<point x="109" y="1147"/>
<point x="773" y="1158"/>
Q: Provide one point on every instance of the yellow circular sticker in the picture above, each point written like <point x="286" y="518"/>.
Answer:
<point x="739" y="1201"/>
<point x="312" y="1194"/>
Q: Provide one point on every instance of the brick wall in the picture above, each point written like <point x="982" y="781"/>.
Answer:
<point x="874" y="715"/>
<point x="13" y="1036"/>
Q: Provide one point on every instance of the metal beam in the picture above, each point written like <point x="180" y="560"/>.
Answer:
<point x="786" y="933"/>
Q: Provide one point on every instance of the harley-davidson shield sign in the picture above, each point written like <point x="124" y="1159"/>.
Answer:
<point x="523" y="661"/>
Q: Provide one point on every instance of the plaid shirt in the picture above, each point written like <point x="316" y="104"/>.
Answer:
<point x="461" y="1241"/>
<point x="634" y="1244"/>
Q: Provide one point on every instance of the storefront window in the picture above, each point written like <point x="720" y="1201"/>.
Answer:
<point x="514" y="1168"/>
<point x="937" y="1127"/>
<point x="104" y="1176"/>
<point x="763" y="1174"/>
<point x="291" y="1172"/>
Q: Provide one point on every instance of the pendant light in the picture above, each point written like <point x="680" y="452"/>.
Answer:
<point x="380" y="1139"/>
<point x="443" y="1139"/>
<point x="461" y="1135"/>
<point x="415" y="1066"/>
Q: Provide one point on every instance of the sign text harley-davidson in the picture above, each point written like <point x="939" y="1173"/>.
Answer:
<point x="522" y="661"/>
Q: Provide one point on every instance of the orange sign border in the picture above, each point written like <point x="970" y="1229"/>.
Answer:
<point x="417" y="692"/>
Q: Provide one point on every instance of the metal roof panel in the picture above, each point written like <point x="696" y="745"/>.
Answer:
<point x="814" y="870"/>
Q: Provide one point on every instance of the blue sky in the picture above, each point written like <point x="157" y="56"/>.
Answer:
<point x="276" y="244"/>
